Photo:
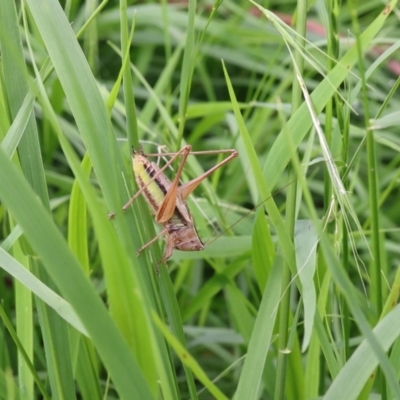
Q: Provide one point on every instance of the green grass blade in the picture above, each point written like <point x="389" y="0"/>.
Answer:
<point x="25" y="327"/>
<point x="16" y="84"/>
<point x="23" y="354"/>
<point x="353" y="376"/>
<point x="188" y="63"/>
<point x="77" y="222"/>
<point x="263" y="253"/>
<point x="56" y="343"/>
<point x="188" y="360"/>
<point x="19" y="272"/>
<point x="306" y="242"/>
<point x="250" y="378"/>
<point x="87" y="370"/>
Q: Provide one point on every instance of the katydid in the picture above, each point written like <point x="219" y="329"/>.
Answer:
<point x="167" y="200"/>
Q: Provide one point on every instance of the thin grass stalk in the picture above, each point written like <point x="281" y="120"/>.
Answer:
<point x="343" y="117"/>
<point x="333" y="53"/>
<point x="375" y="274"/>
<point x="131" y="118"/>
<point x="345" y="309"/>
<point x="187" y="70"/>
<point x="290" y="218"/>
<point x="168" y="48"/>
<point x="375" y="264"/>
<point x="8" y="325"/>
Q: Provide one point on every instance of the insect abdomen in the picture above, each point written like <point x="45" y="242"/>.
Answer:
<point x="153" y="191"/>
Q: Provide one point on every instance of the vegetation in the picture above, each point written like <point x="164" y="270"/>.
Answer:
<point x="295" y="295"/>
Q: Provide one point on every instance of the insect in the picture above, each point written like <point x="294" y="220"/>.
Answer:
<point x="167" y="199"/>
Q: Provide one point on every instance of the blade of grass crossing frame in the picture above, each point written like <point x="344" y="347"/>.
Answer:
<point x="63" y="359"/>
<point x="89" y="112"/>
<point x="312" y="368"/>
<point x="333" y="359"/>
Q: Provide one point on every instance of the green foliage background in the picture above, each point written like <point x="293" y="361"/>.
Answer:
<point x="293" y="299"/>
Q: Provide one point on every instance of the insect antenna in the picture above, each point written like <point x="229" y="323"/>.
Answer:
<point x="213" y="239"/>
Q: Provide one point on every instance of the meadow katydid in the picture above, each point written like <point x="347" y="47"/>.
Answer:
<point x="167" y="199"/>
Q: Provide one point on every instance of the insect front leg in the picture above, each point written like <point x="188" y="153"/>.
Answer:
<point x="169" y="247"/>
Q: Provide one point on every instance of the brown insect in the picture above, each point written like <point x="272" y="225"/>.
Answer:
<point x="167" y="199"/>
